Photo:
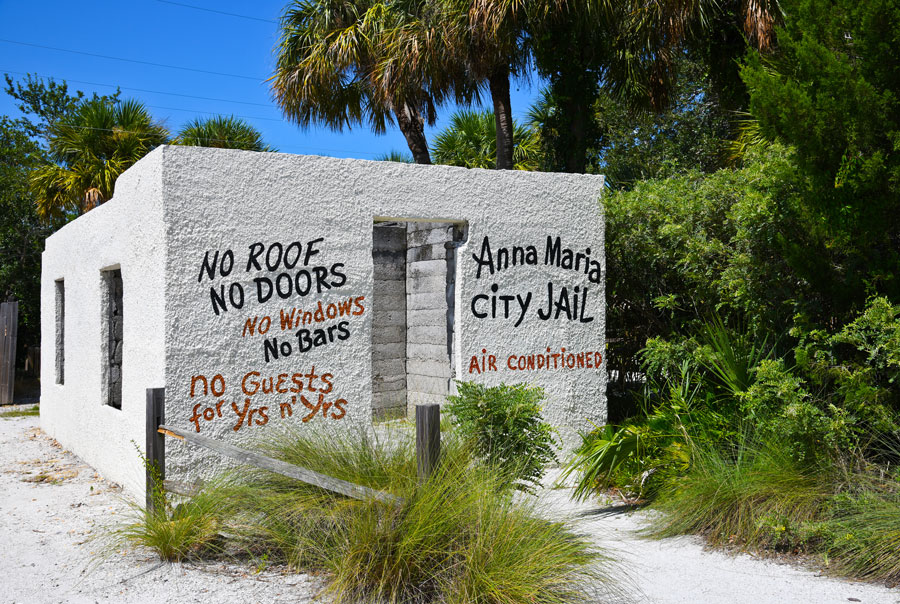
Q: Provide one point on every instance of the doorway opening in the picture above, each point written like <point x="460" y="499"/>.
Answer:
<point x="413" y="312"/>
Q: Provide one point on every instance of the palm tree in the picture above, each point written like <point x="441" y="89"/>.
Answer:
<point x="489" y="38"/>
<point x="332" y="68"/>
<point x="221" y="132"/>
<point x="89" y="150"/>
<point x="471" y="141"/>
<point x="395" y="156"/>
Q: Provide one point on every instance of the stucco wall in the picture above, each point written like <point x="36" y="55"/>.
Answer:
<point x="126" y="232"/>
<point x="225" y="202"/>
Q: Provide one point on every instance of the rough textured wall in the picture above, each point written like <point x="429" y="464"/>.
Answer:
<point x="126" y="232"/>
<point x="60" y="331"/>
<point x="428" y="342"/>
<point x="270" y="285"/>
<point x="389" y="319"/>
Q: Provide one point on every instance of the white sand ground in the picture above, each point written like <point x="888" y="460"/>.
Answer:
<point x="52" y="504"/>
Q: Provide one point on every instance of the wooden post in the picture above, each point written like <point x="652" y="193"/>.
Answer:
<point x="156" y="442"/>
<point x="428" y="439"/>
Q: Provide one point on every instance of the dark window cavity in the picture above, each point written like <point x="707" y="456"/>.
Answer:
<point x="60" y="332"/>
<point x="112" y="337"/>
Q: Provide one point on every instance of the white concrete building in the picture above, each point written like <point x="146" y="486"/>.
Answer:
<point x="267" y="290"/>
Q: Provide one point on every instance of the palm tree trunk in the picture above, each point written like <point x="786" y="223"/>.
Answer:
<point x="413" y="128"/>
<point x="576" y="93"/>
<point x="499" y="86"/>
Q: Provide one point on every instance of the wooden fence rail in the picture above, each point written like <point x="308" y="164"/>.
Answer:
<point x="281" y="467"/>
<point x="428" y="444"/>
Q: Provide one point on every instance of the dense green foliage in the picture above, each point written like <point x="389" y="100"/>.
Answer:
<point x="831" y="91"/>
<point x="628" y="143"/>
<point x="755" y="312"/>
<point x="691" y="246"/>
<point x="505" y="425"/>
<point x="21" y="232"/>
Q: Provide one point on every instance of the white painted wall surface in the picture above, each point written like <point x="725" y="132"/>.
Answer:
<point x="218" y="200"/>
<point x="126" y="231"/>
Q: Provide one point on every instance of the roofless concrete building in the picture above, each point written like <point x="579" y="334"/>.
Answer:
<point x="267" y="290"/>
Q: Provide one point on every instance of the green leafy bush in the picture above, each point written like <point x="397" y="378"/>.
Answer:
<point x="857" y="366"/>
<point x="504" y="422"/>
<point x="701" y="245"/>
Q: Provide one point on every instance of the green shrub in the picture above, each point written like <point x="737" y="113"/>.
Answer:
<point x="857" y="366"/>
<point x="696" y="246"/>
<point x="504" y="423"/>
<point x="642" y="454"/>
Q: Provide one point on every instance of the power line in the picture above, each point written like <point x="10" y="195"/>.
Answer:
<point x="222" y="140"/>
<point x="199" y="111"/>
<point x="221" y="12"/>
<point x="91" y="54"/>
<point x="247" y="117"/>
<point x="187" y="96"/>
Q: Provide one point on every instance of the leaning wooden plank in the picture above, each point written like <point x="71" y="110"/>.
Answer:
<point x="181" y="488"/>
<point x="285" y="469"/>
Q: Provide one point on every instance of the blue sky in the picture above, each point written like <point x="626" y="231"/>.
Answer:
<point x="174" y="33"/>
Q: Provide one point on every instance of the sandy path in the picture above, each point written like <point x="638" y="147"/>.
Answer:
<point x="45" y="546"/>
<point x="45" y="528"/>
<point x="683" y="570"/>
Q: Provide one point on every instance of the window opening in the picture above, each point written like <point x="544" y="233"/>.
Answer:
<point x="60" y="332"/>
<point x="112" y="337"/>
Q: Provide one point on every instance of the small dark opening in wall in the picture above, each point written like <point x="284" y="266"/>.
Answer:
<point x="60" y="336"/>
<point x="413" y="312"/>
<point x="112" y="337"/>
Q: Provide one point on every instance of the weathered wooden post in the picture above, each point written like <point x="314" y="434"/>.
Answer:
<point x="428" y="439"/>
<point x="156" y="444"/>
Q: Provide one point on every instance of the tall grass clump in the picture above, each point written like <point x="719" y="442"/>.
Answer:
<point x="863" y="536"/>
<point x="461" y="536"/>
<point x="174" y="531"/>
<point x="752" y="494"/>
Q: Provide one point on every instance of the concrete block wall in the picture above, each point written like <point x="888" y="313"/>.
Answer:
<point x="429" y="371"/>
<point x="389" y="319"/>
